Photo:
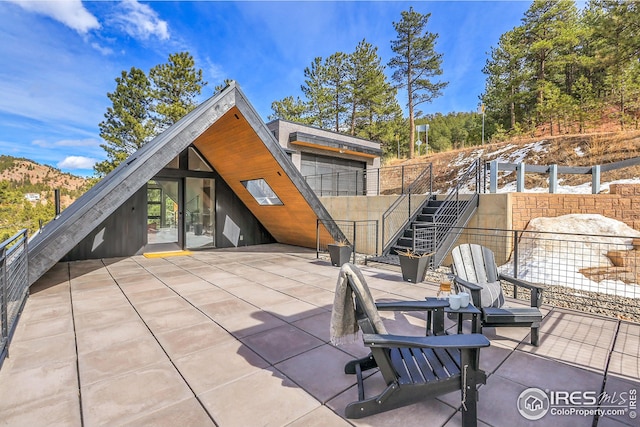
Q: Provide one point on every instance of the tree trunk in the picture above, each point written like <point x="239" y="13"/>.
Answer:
<point x="412" y="127"/>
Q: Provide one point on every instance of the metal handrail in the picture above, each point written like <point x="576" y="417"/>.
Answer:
<point x="400" y="213"/>
<point x="14" y="286"/>
<point x="387" y="180"/>
<point x="451" y="213"/>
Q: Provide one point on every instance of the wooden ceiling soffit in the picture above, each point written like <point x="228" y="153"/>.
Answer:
<point x="334" y="149"/>
<point x="241" y="148"/>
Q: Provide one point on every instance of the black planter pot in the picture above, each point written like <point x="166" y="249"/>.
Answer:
<point x="339" y="254"/>
<point x="413" y="268"/>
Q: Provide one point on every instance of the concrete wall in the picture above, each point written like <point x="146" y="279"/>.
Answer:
<point x="361" y="208"/>
<point x="505" y="211"/>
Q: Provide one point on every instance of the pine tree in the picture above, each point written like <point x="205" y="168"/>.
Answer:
<point x="143" y="107"/>
<point x="374" y="106"/>
<point x="506" y="74"/>
<point x="175" y="87"/>
<point x="128" y="124"/>
<point x="416" y="63"/>
<point x="550" y="36"/>
<point x="316" y="90"/>
<point x="290" y="109"/>
<point x="337" y="79"/>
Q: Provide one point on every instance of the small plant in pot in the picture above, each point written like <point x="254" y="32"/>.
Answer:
<point x="413" y="265"/>
<point x="340" y="252"/>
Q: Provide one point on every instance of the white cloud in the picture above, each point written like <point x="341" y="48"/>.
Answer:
<point x="103" y="50"/>
<point x="77" y="162"/>
<point x="140" y="21"/>
<point x="70" y="12"/>
<point x="87" y="142"/>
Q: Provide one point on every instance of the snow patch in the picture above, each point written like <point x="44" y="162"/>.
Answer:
<point x="549" y="256"/>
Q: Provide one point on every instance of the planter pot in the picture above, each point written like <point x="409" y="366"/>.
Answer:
<point x="339" y="254"/>
<point x="413" y="269"/>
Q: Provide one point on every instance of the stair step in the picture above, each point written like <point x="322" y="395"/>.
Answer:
<point x="405" y="241"/>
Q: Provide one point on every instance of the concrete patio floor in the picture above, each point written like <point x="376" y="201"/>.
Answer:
<point x="240" y="338"/>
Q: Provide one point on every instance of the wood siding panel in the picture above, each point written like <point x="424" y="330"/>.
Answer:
<point x="237" y="153"/>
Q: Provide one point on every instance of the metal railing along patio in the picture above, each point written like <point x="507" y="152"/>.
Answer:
<point x="14" y="286"/>
<point x="593" y="273"/>
<point x="391" y="180"/>
<point x="361" y="235"/>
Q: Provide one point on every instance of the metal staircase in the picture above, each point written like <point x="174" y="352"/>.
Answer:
<point x="435" y="224"/>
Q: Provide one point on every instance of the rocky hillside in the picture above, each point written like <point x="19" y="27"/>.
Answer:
<point x="575" y="150"/>
<point x="24" y="171"/>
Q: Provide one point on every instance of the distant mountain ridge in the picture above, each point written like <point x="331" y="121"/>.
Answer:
<point x="34" y="177"/>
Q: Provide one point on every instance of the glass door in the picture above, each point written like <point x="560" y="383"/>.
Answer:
<point x="199" y="213"/>
<point x="163" y="215"/>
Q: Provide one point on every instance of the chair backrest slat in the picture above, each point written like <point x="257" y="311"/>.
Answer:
<point x="474" y="263"/>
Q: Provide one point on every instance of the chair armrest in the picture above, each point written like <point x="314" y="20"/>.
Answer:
<point x="474" y="290"/>
<point x="439" y="341"/>
<point x="412" y="305"/>
<point x="536" y="290"/>
<point x="466" y="284"/>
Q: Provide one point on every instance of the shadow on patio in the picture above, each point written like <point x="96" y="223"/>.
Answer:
<point x="240" y="338"/>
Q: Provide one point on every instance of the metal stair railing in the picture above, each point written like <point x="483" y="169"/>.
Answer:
<point x="400" y="213"/>
<point x="453" y="214"/>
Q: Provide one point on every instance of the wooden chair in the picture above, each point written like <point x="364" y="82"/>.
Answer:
<point x="475" y="269"/>
<point x="414" y="368"/>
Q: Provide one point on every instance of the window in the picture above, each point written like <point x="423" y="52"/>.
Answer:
<point x="197" y="163"/>
<point x="261" y="191"/>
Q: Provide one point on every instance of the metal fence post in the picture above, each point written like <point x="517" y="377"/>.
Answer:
<point x="515" y="261"/>
<point x="553" y="179"/>
<point x="493" y="177"/>
<point x="377" y="238"/>
<point x="4" y="297"/>
<point x="355" y="236"/>
<point x="520" y="170"/>
<point x="402" y="181"/>
<point x="595" y="179"/>
<point x="318" y="221"/>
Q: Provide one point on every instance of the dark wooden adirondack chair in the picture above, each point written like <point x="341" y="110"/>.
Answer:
<point x="414" y="367"/>
<point x="476" y="272"/>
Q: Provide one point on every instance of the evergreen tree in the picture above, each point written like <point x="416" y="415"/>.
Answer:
<point x="550" y="36"/>
<point x="290" y="109"/>
<point x="373" y="98"/>
<point x="316" y="90"/>
<point x="337" y="79"/>
<point x="143" y="107"/>
<point x="128" y="124"/>
<point x="416" y="63"/>
<point x="175" y="86"/>
<point x="505" y="94"/>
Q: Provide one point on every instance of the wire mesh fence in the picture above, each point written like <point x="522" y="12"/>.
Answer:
<point x="367" y="182"/>
<point x="594" y="273"/>
<point x="361" y="235"/>
<point x="14" y="286"/>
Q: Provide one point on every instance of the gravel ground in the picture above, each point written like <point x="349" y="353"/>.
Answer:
<point x="561" y="296"/>
<point x="558" y="296"/>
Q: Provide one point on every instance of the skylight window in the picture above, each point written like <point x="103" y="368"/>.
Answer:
<point x="262" y="192"/>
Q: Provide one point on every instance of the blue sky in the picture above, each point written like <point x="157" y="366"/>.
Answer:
<point x="58" y="59"/>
